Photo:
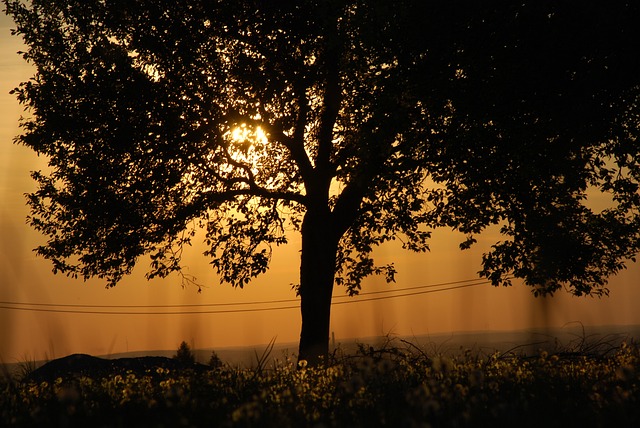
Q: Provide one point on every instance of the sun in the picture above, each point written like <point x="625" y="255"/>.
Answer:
<point x="248" y="146"/>
<point x="243" y="134"/>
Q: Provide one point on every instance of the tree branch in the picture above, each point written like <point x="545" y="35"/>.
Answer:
<point x="347" y="206"/>
<point x="252" y="189"/>
<point x="331" y="102"/>
<point x="231" y="194"/>
<point x="295" y="144"/>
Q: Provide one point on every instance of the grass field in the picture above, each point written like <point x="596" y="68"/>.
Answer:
<point x="396" y="383"/>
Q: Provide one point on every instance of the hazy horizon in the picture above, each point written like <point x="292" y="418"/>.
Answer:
<point x="483" y="343"/>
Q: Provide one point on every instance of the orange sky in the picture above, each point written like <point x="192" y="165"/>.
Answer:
<point x="35" y="334"/>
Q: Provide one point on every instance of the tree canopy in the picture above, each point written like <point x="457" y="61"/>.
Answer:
<point x="352" y="122"/>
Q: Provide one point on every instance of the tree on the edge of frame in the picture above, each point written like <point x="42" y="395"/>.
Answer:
<point x="351" y="122"/>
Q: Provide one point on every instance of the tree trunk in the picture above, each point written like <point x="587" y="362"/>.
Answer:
<point x="317" y="272"/>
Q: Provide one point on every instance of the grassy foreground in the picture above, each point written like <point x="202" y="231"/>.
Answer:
<point x="386" y="386"/>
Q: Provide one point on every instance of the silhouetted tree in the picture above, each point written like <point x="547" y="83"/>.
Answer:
<point x="215" y="361"/>
<point x="352" y="122"/>
<point x="184" y="354"/>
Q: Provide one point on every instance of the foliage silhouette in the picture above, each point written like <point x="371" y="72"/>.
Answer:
<point x="352" y="122"/>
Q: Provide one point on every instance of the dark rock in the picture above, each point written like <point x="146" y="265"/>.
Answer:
<point x="74" y="365"/>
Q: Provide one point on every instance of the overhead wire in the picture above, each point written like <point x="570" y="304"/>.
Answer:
<point x="265" y="302"/>
<point x="80" y="311"/>
<point x="389" y="294"/>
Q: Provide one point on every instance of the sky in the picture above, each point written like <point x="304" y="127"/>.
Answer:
<point x="437" y="292"/>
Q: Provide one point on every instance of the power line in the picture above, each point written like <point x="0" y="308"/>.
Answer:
<point x="410" y="294"/>
<point x="469" y="283"/>
<point x="80" y="311"/>
<point x="204" y="305"/>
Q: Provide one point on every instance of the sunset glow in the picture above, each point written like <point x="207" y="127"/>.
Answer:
<point x="44" y="315"/>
